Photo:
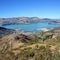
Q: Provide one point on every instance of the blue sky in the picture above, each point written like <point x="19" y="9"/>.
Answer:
<point x="30" y="8"/>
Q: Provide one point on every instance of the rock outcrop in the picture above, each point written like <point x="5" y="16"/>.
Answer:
<point x="5" y="31"/>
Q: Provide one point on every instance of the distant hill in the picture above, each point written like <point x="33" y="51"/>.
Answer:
<point x="26" y="20"/>
<point x="46" y="19"/>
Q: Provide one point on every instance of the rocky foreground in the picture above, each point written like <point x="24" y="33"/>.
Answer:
<point x="37" y="46"/>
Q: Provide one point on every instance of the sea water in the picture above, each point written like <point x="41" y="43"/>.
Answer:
<point x="31" y="27"/>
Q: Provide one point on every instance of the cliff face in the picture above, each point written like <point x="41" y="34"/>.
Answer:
<point x="5" y="31"/>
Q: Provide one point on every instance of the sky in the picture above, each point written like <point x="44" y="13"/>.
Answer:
<point x="30" y="8"/>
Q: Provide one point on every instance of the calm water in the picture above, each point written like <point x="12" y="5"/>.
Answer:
<point x="31" y="27"/>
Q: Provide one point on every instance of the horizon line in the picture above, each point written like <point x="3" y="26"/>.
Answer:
<point x="30" y="17"/>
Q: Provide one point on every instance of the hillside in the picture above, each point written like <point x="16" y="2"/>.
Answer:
<point x="27" y="20"/>
<point x="39" y="46"/>
<point x="5" y="31"/>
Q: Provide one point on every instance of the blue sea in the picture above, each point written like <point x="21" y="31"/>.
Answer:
<point x="31" y="27"/>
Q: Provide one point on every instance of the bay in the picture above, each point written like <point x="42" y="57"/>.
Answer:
<point x="32" y="27"/>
